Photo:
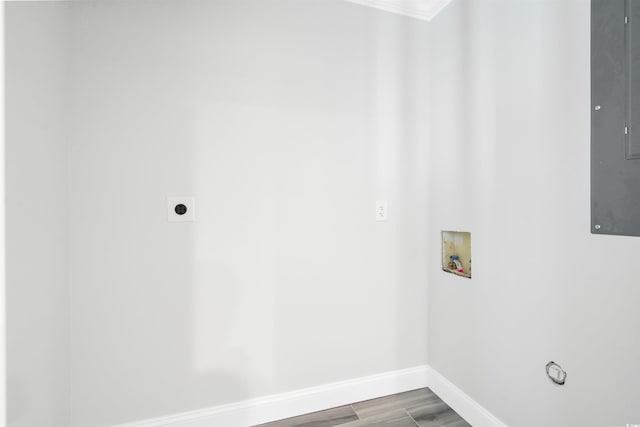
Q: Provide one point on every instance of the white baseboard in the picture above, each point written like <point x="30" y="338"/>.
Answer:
<point x="262" y="410"/>
<point x="465" y="406"/>
<point x="276" y="407"/>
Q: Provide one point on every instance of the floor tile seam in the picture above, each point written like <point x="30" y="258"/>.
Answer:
<point x="354" y="410"/>
<point x="411" y="416"/>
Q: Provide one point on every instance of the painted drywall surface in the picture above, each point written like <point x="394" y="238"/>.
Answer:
<point x="36" y="221"/>
<point x="511" y="80"/>
<point x="286" y="120"/>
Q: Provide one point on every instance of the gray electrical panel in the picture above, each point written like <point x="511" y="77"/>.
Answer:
<point x="615" y="117"/>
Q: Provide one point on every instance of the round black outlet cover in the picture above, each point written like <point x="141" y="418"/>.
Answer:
<point x="180" y="209"/>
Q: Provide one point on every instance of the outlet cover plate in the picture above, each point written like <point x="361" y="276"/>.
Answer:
<point x="382" y="210"/>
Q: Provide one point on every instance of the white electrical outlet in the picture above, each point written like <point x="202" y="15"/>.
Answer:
<point x="382" y="211"/>
<point x="181" y="209"/>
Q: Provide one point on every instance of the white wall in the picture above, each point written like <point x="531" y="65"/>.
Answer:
<point x="510" y="163"/>
<point x="286" y="120"/>
<point x="36" y="219"/>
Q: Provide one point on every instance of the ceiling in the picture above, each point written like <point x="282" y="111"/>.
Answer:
<point x="420" y="9"/>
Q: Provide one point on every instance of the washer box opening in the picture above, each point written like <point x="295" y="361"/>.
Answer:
<point x="456" y="253"/>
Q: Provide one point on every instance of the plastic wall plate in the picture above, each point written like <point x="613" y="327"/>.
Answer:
<point x="181" y="209"/>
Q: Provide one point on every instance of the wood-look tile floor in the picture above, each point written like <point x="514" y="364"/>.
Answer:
<point x="417" y="408"/>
